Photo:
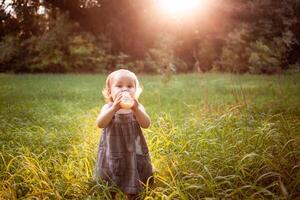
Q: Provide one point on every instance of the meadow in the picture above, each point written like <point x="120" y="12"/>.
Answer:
<point x="213" y="136"/>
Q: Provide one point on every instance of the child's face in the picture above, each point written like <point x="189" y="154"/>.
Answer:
<point x="122" y="82"/>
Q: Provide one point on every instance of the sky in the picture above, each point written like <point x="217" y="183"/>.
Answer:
<point x="8" y="7"/>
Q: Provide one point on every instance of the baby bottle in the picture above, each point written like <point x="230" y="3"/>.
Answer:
<point x="126" y="100"/>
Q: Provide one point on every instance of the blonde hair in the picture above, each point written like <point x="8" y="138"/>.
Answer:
<point x="107" y="91"/>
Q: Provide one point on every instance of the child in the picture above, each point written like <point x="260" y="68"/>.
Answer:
<point x="123" y="156"/>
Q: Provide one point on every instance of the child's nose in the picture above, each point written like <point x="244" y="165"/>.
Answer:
<point x="124" y="89"/>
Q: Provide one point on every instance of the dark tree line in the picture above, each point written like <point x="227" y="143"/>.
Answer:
<point x="94" y="36"/>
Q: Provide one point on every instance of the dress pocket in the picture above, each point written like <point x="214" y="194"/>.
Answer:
<point x="144" y="167"/>
<point x="117" y="165"/>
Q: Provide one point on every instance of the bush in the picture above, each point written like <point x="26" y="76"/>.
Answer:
<point x="161" y="55"/>
<point x="262" y="59"/>
<point x="161" y="58"/>
<point x="294" y="68"/>
<point x="206" y="53"/>
<point x="10" y="50"/>
<point x="245" y="52"/>
<point x="65" y="49"/>
<point x="234" y="55"/>
<point x="62" y="47"/>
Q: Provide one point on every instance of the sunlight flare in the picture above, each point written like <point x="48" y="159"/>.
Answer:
<point x="180" y="7"/>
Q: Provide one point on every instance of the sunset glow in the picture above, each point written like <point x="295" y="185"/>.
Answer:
<point x="179" y="7"/>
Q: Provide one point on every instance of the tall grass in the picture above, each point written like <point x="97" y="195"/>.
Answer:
<point x="212" y="136"/>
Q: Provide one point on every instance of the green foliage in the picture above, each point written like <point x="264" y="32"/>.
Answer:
<point x="206" y="53"/>
<point x="10" y="50"/>
<point x="294" y="68"/>
<point x="262" y="59"/>
<point x="243" y="52"/>
<point x="161" y="58"/>
<point x="62" y="48"/>
<point x="234" y="52"/>
<point x="65" y="49"/>
<point x="91" y="36"/>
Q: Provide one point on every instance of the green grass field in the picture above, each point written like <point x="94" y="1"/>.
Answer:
<point x="212" y="136"/>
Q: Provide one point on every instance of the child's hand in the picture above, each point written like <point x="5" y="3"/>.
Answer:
<point x="116" y="104"/>
<point x="135" y="103"/>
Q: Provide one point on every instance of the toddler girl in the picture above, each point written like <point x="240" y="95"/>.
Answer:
<point x="123" y="156"/>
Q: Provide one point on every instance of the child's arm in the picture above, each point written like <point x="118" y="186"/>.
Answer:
<point x="107" y="112"/>
<point x="140" y="114"/>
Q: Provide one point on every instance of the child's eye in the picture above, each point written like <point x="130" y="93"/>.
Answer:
<point x="129" y="86"/>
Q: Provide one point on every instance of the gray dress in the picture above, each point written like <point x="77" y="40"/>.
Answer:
<point x="123" y="156"/>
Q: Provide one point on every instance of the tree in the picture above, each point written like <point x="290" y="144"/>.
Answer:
<point x="235" y="36"/>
